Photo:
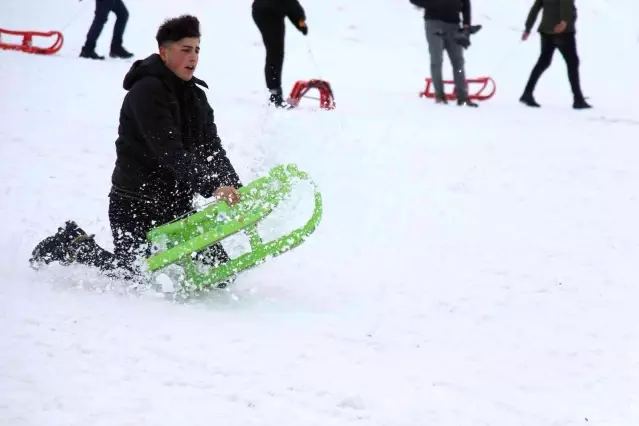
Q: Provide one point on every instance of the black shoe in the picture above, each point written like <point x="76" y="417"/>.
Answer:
<point x="467" y="102"/>
<point x="581" y="104"/>
<point x="60" y="247"/>
<point x="120" y="52"/>
<point x="528" y="100"/>
<point x="90" y="54"/>
<point x="278" y="101"/>
<point x="441" y="99"/>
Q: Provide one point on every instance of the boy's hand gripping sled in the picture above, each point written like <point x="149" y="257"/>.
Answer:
<point x="178" y="241"/>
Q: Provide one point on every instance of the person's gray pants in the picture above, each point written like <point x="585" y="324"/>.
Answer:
<point x="436" y="45"/>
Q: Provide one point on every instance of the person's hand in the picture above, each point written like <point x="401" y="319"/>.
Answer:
<point x="228" y="194"/>
<point x="525" y="35"/>
<point x="301" y="25"/>
<point x="560" y="27"/>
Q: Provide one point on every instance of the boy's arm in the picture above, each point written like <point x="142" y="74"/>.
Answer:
<point x="532" y="15"/>
<point x="152" y="114"/>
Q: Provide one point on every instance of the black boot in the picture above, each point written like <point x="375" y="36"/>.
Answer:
<point x="441" y="99"/>
<point x="72" y="245"/>
<point x="580" y="103"/>
<point x="120" y="52"/>
<point x="90" y="54"/>
<point x="467" y="102"/>
<point x="528" y="100"/>
<point x="60" y="247"/>
<point x="277" y="100"/>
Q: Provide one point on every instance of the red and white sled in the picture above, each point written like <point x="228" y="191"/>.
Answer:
<point x="27" y="44"/>
<point x="477" y="95"/>
<point x="301" y="88"/>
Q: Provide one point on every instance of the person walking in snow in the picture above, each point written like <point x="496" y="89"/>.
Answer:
<point x="270" y="17"/>
<point x="557" y="31"/>
<point x="443" y="32"/>
<point x="168" y="149"/>
<point x="102" y="9"/>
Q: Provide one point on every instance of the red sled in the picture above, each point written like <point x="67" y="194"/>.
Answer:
<point x="27" y="41"/>
<point x="477" y="95"/>
<point x="301" y="87"/>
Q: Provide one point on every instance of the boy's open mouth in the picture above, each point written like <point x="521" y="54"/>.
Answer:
<point x="190" y="68"/>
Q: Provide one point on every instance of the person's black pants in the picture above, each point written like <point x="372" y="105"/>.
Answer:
<point x="102" y="9"/>
<point x="567" y="46"/>
<point x="131" y="218"/>
<point x="272" y="27"/>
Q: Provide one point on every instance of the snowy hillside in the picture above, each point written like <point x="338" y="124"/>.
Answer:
<point x="472" y="267"/>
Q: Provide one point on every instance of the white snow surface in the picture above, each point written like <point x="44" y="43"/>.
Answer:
<point x="472" y="267"/>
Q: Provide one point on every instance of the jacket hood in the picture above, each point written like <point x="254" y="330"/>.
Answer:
<point x="153" y="66"/>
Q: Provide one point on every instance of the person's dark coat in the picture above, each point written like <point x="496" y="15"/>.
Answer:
<point x="168" y="147"/>
<point x="285" y="8"/>
<point x="446" y="10"/>
<point x="553" y="12"/>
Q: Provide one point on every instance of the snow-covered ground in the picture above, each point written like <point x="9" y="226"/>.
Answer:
<point x="473" y="267"/>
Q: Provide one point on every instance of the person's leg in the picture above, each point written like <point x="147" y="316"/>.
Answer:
<point x="122" y="17"/>
<point x="71" y="244"/>
<point x="547" y="49"/>
<point x="102" y="9"/>
<point x="567" y="45"/>
<point x="212" y="257"/>
<point x="130" y="219"/>
<point x="434" y="30"/>
<point x="273" y="30"/>
<point x="275" y="53"/>
<point x="456" y="56"/>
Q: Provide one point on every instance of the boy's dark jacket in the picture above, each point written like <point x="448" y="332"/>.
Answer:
<point x="168" y="147"/>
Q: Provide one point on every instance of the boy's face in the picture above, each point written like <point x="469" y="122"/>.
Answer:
<point x="182" y="56"/>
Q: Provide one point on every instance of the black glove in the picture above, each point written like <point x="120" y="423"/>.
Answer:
<point x="462" y="38"/>
<point x="301" y="25"/>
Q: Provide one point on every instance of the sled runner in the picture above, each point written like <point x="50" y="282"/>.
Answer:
<point x="27" y="41"/>
<point x="301" y="87"/>
<point x="477" y="95"/>
<point x="178" y="241"/>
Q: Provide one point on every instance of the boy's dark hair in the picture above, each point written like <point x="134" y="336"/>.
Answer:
<point x="175" y="29"/>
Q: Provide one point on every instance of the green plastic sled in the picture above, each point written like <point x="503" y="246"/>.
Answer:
<point x="178" y="241"/>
